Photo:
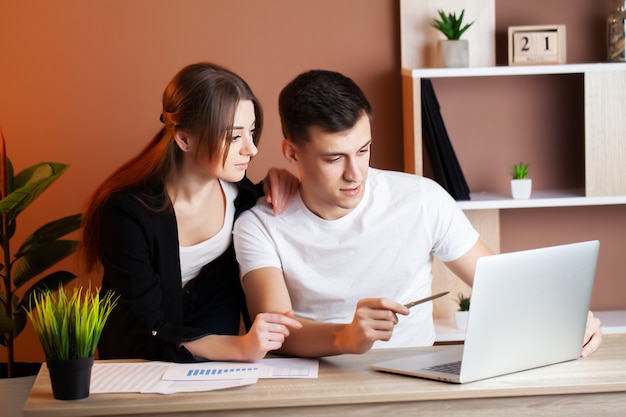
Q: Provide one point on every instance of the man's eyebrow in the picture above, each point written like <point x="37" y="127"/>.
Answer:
<point x="332" y="153"/>
<point x="369" y="142"/>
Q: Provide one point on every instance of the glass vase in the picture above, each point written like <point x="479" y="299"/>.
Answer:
<point x="615" y="32"/>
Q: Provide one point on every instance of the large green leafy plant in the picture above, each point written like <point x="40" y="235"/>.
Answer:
<point x="40" y="251"/>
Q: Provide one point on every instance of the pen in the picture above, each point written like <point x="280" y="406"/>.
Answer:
<point x="423" y="300"/>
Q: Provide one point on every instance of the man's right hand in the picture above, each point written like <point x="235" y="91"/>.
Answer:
<point x="374" y="319"/>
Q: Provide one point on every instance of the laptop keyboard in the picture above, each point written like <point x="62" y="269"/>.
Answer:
<point x="447" y="368"/>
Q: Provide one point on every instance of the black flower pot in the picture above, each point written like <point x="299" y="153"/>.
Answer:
<point x="70" y="378"/>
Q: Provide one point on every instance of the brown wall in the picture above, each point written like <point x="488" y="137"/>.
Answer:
<point x="81" y="82"/>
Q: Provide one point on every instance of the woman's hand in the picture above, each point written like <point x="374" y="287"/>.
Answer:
<point x="280" y="186"/>
<point x="268" y="332"/>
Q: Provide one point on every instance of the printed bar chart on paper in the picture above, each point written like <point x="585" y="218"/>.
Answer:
<point x="210" y="371"/>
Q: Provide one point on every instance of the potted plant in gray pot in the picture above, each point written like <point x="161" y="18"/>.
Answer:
<point x="453" y="51"/>
<point x="68" y="326"/>
<point x="21" y="267"/>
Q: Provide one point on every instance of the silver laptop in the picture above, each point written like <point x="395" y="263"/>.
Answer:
<point x="528" y="309"/>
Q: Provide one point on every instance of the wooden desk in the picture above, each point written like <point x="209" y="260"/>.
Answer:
<point x="592" y="386"/>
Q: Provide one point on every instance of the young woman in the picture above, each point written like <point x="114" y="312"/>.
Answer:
<point x="160" y="227"/>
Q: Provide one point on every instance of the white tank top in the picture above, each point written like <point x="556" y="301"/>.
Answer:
<point x="193" y="258"/>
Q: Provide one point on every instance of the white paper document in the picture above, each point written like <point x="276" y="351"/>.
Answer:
<point x="288" y="368"/>
<point x="168" y="378"/>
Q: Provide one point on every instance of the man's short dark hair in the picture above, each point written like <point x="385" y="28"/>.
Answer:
<point x="322" y="98"/>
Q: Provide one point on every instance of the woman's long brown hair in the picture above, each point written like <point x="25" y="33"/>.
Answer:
<point x="201" y="100"/>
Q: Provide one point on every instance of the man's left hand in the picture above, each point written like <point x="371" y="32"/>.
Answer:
<point x="593" y="335"/>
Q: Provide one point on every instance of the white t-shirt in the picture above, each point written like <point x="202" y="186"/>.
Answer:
<point x="193" y="258"/>
<point x="382" y="248"/>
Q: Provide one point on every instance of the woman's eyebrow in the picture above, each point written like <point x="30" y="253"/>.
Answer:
<point x="241" y="127"/>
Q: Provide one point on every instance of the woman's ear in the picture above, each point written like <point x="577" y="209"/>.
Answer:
<point x="182" y="140"/>
<point x="290" y="151"/>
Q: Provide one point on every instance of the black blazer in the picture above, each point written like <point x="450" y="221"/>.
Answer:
<point x="141" y="264"/>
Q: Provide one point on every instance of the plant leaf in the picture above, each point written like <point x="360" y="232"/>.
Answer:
<point x="40" y="259"/>
<point x="29" y="184"/>
<point x="48" y="283"/>
<point x="450" y="25"/>
<point x="465" y="28"/>
<point x="39" y="172"/>
<point x="457" y="23"/>
<point x="49" y="232"/>
<point x="27" y="302"/>
<point x="6" y="324"/>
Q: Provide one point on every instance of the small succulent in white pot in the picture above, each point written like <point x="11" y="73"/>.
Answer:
<point x="521" y="185"/>
<point x="461" y="315"/>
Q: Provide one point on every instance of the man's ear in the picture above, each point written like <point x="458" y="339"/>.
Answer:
<point x="290" y="152"/>
<point x="182" y="140"/>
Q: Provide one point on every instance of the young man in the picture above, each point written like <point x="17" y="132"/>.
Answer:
<point x="357" y="242"/>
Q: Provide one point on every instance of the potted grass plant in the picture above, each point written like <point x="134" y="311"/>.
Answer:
<point x="461" y="315"/>
<point x="521" y="185"/>
<point x="453" y="51"/>
<point x="24" y="268"/>
<point x="68" y="326"/>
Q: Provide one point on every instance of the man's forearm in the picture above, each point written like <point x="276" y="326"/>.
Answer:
<point x="315" y="340"/>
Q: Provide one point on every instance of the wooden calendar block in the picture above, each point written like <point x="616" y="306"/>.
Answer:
<point x="537" y="45"/>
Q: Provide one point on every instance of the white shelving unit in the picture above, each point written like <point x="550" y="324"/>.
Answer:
<point x="604" y="150"/>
